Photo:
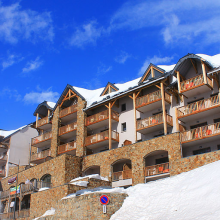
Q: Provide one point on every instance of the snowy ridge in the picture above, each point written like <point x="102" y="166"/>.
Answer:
<point x="191" y="195"/>
<point x="94" y="176"/>
<point x="51" y="104"/>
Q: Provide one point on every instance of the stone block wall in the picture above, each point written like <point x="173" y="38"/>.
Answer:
<point x="136" y="153"/>
<point x="14" y="170"/>
<point x="88" y="207"/>
<point x="193" y="162"/>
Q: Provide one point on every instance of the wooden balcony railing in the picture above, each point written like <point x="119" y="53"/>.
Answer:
<point x="157" y="169"/>
<point x="67" y="147"/>
<point x="68" y="110"/>
<point x="150" y="98"/>
<point x="4" y="194"/>
<point x="41" y="155"/>
<point x="153" y="120"/>
<point x="41" y="184"/>
<point x="122" y="175"/>
<point x="101" y="116"/>
<point x="41" y="138"/>
<point x="2" y="172"/>
<point x="201" y="132"/>
<point x="68" y="128"/>
<point x="194" y="82"/>
<point x="42" y="121"/>
<point x="198" y="106"/>
<point x="25" y="213"/>
<point x="101" y="137"/>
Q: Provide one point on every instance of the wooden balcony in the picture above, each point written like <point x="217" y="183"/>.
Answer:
<point x="122" y="175"/>
<point x="152" y="101"/>
<point x="68" y="131"/>
<point x="101" y="139"/>
<point x="69" y="113"/>
<point x="4" y="194"/>
<point x="195" y="85"/>
<point x="153" y="123"/>
<point x="157" y="169"/>
<point x="101" y="119"/>
<point x="68" y="147"/>
<point x="200" y="109"/>
<point x="43" y="123"/>
<point x="201" y="135"/>
<point x="40" y="157"/>
<point x="42" y="140"/>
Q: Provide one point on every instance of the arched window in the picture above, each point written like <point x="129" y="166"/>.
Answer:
<point x="46" y="178"/>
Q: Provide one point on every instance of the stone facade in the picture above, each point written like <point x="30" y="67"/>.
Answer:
<point x="136" y="153"/>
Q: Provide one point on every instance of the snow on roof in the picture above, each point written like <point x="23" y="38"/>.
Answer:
<point x="167" y="68"/>
<point x="191" y="195"/>
<point x="51" y="104"/>
<point x="214" y="60"/>
<point x="94" y="176"/>
<point x="8" y="133"/>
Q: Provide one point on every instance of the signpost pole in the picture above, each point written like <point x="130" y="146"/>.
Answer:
<point x="16" y="190"/>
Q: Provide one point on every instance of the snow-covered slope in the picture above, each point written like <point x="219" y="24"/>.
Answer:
<point x="188" y="196"/>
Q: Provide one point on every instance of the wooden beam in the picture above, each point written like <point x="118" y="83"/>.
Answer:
<point x="113" y="103"/>
<point x="138" y="93"/>
<point x="164" y="109"/>
<point x="135" y="120"/>
<point x="194" y="66"/>
<point x="110" y="125"/>
<point x="152" y="72"/>
<point x="178" y="81"/>
<point x="204" y="72"/>
<point x="106" y="106"/>
<point x="158" y="86"/>
<point x="37" y="117"/>
<point x="130" y="97"/>
<point x="177" y="121"/>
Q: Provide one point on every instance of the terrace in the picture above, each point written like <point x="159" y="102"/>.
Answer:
<point x="69" y="113"/>
<point x="40" y="157"/>
<point x="101" y="119"/>
<point x="200" y="109"/>
<point x="43" y="123"/>
<point x="68" y="131"/>
<point x="153" y="123"/>
<point x="42" y="140"/>
<point x="68" y="147"/>
<point x="152" y="101"/>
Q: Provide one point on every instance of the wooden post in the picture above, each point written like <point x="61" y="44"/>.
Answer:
<point x="152" y="72"/>
<point x="177" y="121"/>
<point x="178" y="81"/>
<point x="48" y="115"/>
<point x="135" y="120"/>
<point x="110" y="125"/>
<point x="204" y="72"/>
<point x="20" y="197"/>
<point x="164" y="109"/>
<point x="37" y="119"/>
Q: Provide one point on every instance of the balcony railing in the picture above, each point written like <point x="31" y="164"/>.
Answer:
<point x="122" y="175"/>
<point x="150" y="98"/>
<point x="201" y="132"/>
<point x="68" y="128"/>
<point x="198" y="106"/>
<point x="42" y="121"/>
<point x="193" y="82"/>
<point x="18" y="214"/>
<point x="41" y="138"/>
<point x="157" y="169"/>
<point x="101" y="137"/>
<point x="153" y="120"/>
<point x="101" y="116"/>
<point x="2" y="172"/>
<point x="40" y="155"/>
<point x="68" y="110"/>
<point x="67" y="147"/>
<point x="41" y="184"/>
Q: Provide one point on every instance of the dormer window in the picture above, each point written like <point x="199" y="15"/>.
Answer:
<point x="108" y="89"/>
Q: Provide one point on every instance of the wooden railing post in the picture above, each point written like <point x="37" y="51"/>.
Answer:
<point x="164" y="109"/>
<point x="110" y="125"/>
<point x="177" y="121"/>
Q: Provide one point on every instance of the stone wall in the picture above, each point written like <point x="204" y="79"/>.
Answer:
<point x="14" y="170"/>
<point x="57" y="168"/>
<point x="87" y="207"/>
<point x="136" y="153"/>
<point x="193" y="162"/>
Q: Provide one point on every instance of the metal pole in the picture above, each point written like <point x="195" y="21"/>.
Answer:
<point x="16" y="190"/>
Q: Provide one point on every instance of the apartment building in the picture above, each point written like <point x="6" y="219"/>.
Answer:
<point x="161" y="124"/>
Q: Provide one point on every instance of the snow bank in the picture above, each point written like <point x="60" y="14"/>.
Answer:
<point x="96" y="190"/>
<point x="51" y="104"/>
<point x="94" y="176"/>
<point x="43" y="188"/>
<point x="47" y="213"/>
<point x="191" y="195"/>
<point x="80" y="183"/>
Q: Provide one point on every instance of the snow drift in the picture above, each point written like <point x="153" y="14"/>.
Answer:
<point x="191" y="195"/>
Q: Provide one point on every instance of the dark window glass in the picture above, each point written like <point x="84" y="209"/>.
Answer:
<point x="202" y="151"/>
<point x="216" y="120"/>
<point x="162" y="160"/>
<point x="123" y="126"/>
<point x="123" y="107"/>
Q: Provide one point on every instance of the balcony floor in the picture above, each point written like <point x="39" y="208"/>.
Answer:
<point x="43" y="143"/>
<point x="100" y="124"/>
<point x="68" y="135"/>
<point x="200" y="114"/>
<point x="45" y="126"/>
<point x="152" y="105"/>
<point x="200" y="141"/>
<point x="68" y="117"/>
<point x="196" y="90"/>
<point x="153" y="128"/>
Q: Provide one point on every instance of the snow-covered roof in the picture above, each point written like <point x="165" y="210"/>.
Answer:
<point x="51" y="104"/>
<point x="5" y="133"/>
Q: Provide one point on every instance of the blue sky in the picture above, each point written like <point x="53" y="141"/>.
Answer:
<point x="46" y="45"/>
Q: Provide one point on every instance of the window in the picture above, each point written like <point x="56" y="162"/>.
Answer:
<point x="218" y="147"/>
<point x="123" y="126"/>
<point x="162" y="160"/>
<point x="202" y="151"/>
<point x="216" y="120"/>
<point x="123" y="107"/>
